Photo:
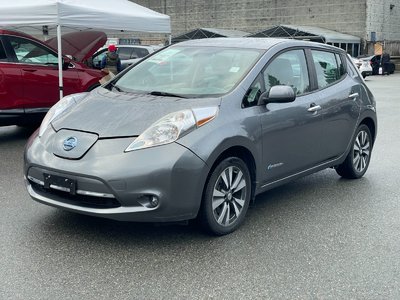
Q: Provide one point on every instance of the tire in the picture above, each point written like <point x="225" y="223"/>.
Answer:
<point x="226" y="197"/>
<point x="359" y="156"/>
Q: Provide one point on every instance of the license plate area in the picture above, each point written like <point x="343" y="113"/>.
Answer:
<point x="60" y="183"/>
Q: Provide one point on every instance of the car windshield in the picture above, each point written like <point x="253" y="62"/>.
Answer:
<point x="190" y="71"/>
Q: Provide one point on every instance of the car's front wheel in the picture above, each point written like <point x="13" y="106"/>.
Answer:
<point x="226" y="197"/>
<point x="357" y="161"/>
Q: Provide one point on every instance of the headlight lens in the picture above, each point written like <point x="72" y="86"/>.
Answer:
<point x="173" y="126"/>
<point x="58" y="108"/>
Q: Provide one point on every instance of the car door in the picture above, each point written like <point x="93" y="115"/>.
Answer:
<point x="10" y="82"/>
<point x="289" y="131"/>
<point x="39" y="71"/>
<point x="338" y="96"/>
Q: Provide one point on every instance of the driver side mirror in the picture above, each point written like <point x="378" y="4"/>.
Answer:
<point x="278" y="94"/>
<point x="65" y="64"/>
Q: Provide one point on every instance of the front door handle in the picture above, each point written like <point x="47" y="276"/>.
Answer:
<point x="29" y="70"/>
<point x="314" y="107"/>
<point x="354" y="95"/>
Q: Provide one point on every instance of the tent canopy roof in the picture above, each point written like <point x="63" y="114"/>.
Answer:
<point x="307" y="32"/>
<point x="115" y="15"/>
<point x="202" y="33"/>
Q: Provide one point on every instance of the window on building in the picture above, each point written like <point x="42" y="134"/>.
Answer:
<point x="356" y="50"/>
<point x="350" y="49"/>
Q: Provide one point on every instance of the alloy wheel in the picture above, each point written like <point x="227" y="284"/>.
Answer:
<point x="229" y="196"/>
<point x="361" y="151"/>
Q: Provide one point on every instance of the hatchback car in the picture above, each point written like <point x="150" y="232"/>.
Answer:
<point x="200" y="128"/>
<point x="29" y="73"/>
<point x="363" y="65"/>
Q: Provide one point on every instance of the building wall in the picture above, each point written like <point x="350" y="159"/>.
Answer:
<point x="383" y="17"/>
<point x="355" y="17"/>
<point x="256" y="15"/>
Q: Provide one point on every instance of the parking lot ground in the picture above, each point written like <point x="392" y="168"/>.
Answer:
<point x="320" y="237"/>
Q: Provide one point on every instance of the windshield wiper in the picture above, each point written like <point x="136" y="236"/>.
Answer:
<point x="116" y="87"/>
<point x="158" y="93"/>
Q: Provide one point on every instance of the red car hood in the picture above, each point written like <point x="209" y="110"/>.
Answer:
<point x="80" y="45"/>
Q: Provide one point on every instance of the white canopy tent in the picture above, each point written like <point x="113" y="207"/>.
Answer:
<point x="106" y="15"/>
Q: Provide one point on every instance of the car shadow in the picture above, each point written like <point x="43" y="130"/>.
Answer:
<point x="290" y="199"/>
<point x="15" y="133"/>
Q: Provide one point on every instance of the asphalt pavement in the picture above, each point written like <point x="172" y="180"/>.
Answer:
<point x="320" y="237"/>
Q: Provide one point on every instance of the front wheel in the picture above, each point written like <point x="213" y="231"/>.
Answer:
<point x="357" y="161"/>
<point x="226" y="197"/>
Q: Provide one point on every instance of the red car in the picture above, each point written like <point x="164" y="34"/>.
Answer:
<point x="29" y="73"/>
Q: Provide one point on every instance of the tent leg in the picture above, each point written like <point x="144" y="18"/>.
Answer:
<point x="60" y="61"/>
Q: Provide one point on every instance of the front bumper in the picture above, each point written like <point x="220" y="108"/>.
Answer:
<point x="107" y="182"/>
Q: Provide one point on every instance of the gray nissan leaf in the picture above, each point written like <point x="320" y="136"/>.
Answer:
<point x="200" y="128"/>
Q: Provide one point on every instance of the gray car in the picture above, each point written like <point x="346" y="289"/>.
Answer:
<point x="200" y="128"/>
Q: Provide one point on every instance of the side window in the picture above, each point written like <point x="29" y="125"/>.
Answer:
<point x="289" y="68"/>
<point x="326" y="67"/>
<point x="124" y="53"/>
<point x="29" y="52"/>
<point x="98" y="58"/>
<point x="3" y="56"/>
<point x="342" y="68"/>
<point x="351" y="69"/>
<point x="141" y="52"/>
<point x="253" y="94"/>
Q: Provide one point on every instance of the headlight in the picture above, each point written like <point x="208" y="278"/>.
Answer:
<point x="58" y="108"/>
<point x="173" y="126"/>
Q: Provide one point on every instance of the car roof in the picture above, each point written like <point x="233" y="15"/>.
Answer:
<point x="254" y="43"/>
<point x="20" y="34"/>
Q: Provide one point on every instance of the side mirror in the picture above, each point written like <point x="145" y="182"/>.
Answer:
<point x="66" y="62"/>
<point x="278" y="94"/>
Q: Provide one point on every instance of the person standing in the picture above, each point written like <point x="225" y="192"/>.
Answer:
<point x="111" y="60"/>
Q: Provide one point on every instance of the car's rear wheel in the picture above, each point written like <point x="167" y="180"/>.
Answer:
<point x="357" y="161"/>
<point x="226" y="197"/>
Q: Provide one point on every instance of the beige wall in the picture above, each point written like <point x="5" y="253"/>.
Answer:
<point x="355" y="17"/>
<point x="347" y="16"/>
<point x="383" y="20"/>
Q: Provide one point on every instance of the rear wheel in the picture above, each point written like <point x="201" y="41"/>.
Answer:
<point x="357" y="161"/>
<point x="227" y="196"/>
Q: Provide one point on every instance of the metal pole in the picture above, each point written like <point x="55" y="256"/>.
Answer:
<point x="60" y="61"/>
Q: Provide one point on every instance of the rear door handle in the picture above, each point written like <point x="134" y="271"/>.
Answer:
<point x="354" y="95"/>
<point x="30" y="70"/>
<point x="314" y="108"/>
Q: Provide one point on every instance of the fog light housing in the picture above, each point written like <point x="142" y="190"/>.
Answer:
<point x="149" y="200"/>
<point x="154" y="201"/>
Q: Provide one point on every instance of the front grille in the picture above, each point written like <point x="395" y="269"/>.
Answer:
<point x="81" y="200"/>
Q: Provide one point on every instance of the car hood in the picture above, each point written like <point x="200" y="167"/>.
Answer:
<point x="111" y="114"/>
<point x="80" y="45"/>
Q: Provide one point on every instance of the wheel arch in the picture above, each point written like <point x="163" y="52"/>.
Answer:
<point x="244" y="154"/>
<point x="370" y="123"/>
